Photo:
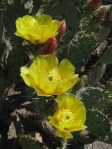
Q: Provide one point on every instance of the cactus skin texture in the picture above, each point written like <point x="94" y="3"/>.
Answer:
<point x="79" y="43"/>
<point x="95" y="74"/>
<point x="96" y="101"/>
<point x="15" y="53"/>
<point x="64" y="10"/>
<point x="107" y="56"/>
<point x="80" y="48"/>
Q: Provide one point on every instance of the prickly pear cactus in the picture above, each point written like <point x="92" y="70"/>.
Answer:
<point x="77" y="45"/>
<point x="83" y="34"/>
<point x="80" y="49"/>
<point x="107" y="56"/>
<point x="95" y="74"/>
<point x="68" y="10"/>
<point x="16" y="53"/>
<point x="98" y="125"/>
<point x="97" y="101"/>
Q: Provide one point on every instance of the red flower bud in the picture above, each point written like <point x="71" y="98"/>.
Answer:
<point x="62" y="30"/>
<point x="95" y="3"/>
<point x="49" y="46"/>
<point x="101" y="14"/>
<point x="62" y="27"/>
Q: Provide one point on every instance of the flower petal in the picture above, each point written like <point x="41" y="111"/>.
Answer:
<point x="64" y="86"/>
<point x="50" y="87"/>
<point x="27" y="77"/>
<point x="41" y="93"/>
<point x="64" y="135"/>
<point x="67" y="73"/>
<point x="52" y="62"/>
<point x="42" y="80"/>
<point x="66" y="101"/>
<point x="77" y="127"/>
<point x="37" y="29"/>
<point x="43" y="76"/>
<point x="70" y="115"/>
<point x="26" y="28"/>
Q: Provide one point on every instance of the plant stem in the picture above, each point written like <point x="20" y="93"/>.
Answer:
<point x="64" y="144"/>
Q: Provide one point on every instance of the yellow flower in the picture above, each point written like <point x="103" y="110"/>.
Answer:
<point x="37" y="29"/>
<point x="47" y="78"/>
<point x="70" y="116"/>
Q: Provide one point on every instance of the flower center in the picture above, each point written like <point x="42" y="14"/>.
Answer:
<point x="54" y="76"/>
<point x="67" y="115"/>
<point x="50" y="78"/>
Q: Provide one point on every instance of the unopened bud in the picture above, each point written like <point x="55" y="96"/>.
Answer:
<point x="49" y="46"/>
<point x="62" y="30"/>
<point x="102" y="12"/>
<point x="62" y="27"/>
<point x="95" y="4"/>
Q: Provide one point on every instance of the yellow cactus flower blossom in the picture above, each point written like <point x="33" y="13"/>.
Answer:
<point x="47" y="77"/>
<point x="70" y="116"/>
<point x="37" y="29"/>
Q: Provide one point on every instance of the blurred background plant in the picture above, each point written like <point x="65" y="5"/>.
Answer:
<point x="86" y="43"/>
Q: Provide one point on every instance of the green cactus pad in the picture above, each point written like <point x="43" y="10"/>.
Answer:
<point x="96" y="100"/>
<point x="80" y="48"/>
<point x="107" y="56"/>
<point x="95" y="75"/>
<point x="67" y="10"/>
<point x="98" y="124"/>
<point x="10" y="14"/>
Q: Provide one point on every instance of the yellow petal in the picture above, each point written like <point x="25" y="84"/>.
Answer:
<point x="66" y="70"/>
<point x="76" y="128"/>
<point x="52" y="62"/>
<point x="54" y="119"/>
<point x="47" y="27"/>
<point x="37" y="29"/>
<point x="66" y="100"/>
<point x="43" y="19"/>
<point x="69" y="101"/>
<point x="80" y="113"/>
<point x="40" y="64"/>
<point x="44" y="63"/>
<point x="64" y="135"/>
<point x="27" y="77"/>
<point x="42" y="75"/>
<point x="42" y="80"/>
<point x="71" y="114"/>
<point x="26" y="28"/>
<point x="76" y="106"/>
<point x="50" y="87"/>
<point x="41" y="93"/>
<point x="63" y="86"/>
